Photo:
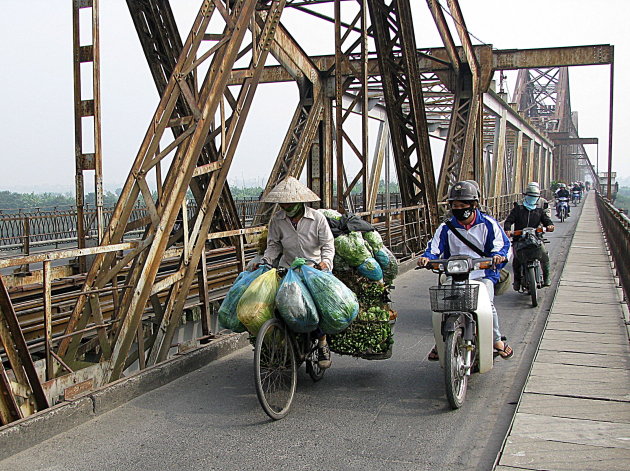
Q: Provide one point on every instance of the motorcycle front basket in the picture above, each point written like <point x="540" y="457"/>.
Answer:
<point x="454" y="298"/>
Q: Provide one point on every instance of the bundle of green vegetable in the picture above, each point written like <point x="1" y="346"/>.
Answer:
<point x="366" y="339"/>
<point x="352" y="248"/>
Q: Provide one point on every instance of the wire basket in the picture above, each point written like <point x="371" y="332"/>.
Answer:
<point x="454" y="298"/>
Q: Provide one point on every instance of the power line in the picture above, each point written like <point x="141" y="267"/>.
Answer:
<point x="457" y="22"/>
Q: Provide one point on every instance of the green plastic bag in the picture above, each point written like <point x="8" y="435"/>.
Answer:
<point x="374" y="239"/>
<point x="257" y="304"/>
<point x="336" y="304"/>
<point x="352" y="248"/>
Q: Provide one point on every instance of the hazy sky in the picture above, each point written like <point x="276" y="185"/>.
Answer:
<point x="36" y="125"/>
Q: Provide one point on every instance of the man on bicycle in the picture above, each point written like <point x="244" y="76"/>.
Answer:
<point x="297" y="231"/>
<point x="482" y="232"/>
<point x="529" y="214"/>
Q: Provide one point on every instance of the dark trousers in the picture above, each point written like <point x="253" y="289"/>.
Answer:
<point x="544" y="261"/>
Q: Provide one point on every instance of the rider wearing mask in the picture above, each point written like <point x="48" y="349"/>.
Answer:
<point x="299" y="231"/>
<point x="529" y="214"/>
<point x="562" y="192"/>
<point x="483" y="232"/>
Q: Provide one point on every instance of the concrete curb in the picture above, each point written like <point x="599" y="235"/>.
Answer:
<point x="30" y="431"/>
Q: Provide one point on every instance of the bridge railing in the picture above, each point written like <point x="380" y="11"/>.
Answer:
<point x="617" y="230"/>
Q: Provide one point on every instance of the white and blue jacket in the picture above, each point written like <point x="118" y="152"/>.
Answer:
<point x="486" y="233"/>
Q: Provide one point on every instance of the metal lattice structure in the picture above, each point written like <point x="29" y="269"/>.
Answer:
<point x="152" y="265"/>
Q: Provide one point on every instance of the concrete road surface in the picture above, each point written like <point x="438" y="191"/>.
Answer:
<point x="380" y="415"/>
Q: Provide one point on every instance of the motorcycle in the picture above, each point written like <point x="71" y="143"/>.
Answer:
<point x="576" y="197"/>
<point x="527" y="248"/>
<point x="563" y="208"/>
<point x="462" y="323"/>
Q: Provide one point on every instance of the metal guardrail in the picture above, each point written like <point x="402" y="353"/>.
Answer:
<point x="20" y="230"/>
<point x="617" y="230"/>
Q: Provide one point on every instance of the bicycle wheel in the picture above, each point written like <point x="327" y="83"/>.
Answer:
<point x="275" y="369"/>
<point x="312" y="365"/>
<point x="533" y="285"/>
<point x="454" y="373"/>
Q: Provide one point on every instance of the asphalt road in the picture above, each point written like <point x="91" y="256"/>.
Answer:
<point x="380" y="415"/>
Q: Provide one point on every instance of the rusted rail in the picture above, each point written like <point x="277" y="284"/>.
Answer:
<point x="617" y="229"/>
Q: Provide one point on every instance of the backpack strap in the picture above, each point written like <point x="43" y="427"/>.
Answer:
<point x="466" y="242"/>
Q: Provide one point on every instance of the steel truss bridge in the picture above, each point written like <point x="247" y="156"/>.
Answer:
<point x="68" y="327"/>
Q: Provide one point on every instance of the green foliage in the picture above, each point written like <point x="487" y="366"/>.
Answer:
<point x="11" y="200"/>
<point x="623" y="198"/>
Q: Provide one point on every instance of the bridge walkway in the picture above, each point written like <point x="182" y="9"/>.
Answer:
<point x="574" y="413"/>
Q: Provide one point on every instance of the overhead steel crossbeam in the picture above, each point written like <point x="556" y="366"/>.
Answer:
<point x="230" y="22"/>
<point x="396" y="48"/>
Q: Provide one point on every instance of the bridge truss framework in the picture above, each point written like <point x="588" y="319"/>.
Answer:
<point x="131" y="302"/>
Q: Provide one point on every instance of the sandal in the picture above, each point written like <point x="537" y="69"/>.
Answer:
<point x="433" y="354"/>
<point x="505" y="352"/>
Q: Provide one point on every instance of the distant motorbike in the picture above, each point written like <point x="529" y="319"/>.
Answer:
<point x="462" y="323"/>
<point x="527" y="247"/>
<point x="576" y="197"/>
<point x="563" y="208"/>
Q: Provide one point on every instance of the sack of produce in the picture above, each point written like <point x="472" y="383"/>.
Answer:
<point x="295" y="304"/>
<point x="382" y="258"/>
<point x="331" y="214"/>
<point x="352" y="248"/>
<point x="374" y="239"/>
<point x="391" y="271"/>
<point x="336" y="304"/>
<point x="227" y="312"/>
<point x="258" y="301"/>
<point x="371" y="270"/>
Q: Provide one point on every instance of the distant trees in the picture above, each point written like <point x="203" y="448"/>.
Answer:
<point x="13" y="201"/>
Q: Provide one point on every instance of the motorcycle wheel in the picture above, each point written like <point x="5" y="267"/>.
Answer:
<point x="533" y="287"/>
<point x="562" y="214"/>
<point x="454" y="374"/>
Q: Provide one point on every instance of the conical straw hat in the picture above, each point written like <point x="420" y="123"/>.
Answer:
<point x="290" y="190"/>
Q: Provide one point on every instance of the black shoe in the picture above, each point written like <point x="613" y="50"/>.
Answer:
<point x="516" y="285"/>
<point x="323" y="356"/>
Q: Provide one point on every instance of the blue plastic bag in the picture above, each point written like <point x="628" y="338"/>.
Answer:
<point x="227" y="311"/>
<point x="371" y="270"/>
<point x="295" y="304"/>
<point x="382" y="258"/>
<point x="336" y="303"/>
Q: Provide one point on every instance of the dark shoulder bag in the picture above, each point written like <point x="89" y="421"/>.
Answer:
<point x="502" y="285"/>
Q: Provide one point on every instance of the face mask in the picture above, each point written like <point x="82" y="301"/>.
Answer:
<point x="530" y="202"/>
<point x="294" y="210"/>
<point x="462" y="214"/>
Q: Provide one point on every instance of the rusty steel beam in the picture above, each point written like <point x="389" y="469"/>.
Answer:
<point x="401" y="80"/>
<point x="512" y="59"/>
<point x="161" y="42"/>
<point x="16" y="350"/>
<point x="87" y="107"/>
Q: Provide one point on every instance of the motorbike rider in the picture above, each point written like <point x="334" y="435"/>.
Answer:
<point x="562" y="192"/>
<point x="542" y="202"/>
<point x="482" y="231"/>
<point x="577" y="189"/>
<point x="529" y="214"/>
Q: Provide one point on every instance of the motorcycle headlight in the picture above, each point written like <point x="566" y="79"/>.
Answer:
<point x="457" y="266"/>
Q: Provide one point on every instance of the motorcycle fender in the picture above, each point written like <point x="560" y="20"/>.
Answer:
<point x="485" y="333"/>
<point x="437" y="335"/>
<point x="439" y="330"/>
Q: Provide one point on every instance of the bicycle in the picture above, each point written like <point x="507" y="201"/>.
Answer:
<point x="278" y="353"/>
